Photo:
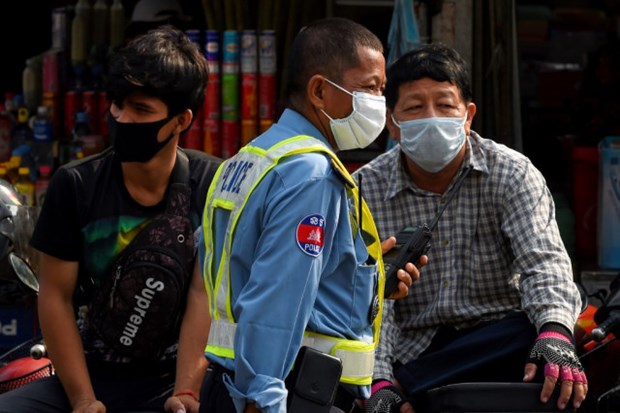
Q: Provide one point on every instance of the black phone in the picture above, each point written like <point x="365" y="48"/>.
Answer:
<point x="411" y="244"/>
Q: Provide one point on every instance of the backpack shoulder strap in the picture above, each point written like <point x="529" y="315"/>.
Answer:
<point x="179" y="198"/>
<point x="180" y="173"/>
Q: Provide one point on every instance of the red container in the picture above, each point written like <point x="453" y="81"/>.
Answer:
<point x="230" y="138"/>
<point x="267" y="68"/>
<point x="212" y="137"/>
<point x="267" y="97"/>
<point x="104" y="107"/>
<point x="51" y="71"/>
<point x="90" y="106"/>
<point x="193" y="138"/>
<point x="585" y="164"/>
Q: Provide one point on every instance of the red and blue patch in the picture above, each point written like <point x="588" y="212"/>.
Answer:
<point x="309" y="234"/>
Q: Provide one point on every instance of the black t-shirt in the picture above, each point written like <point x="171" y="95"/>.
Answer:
<point x="88" y="215"/>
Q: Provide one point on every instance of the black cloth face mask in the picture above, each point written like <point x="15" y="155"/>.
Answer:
<point x="136" y="142"/>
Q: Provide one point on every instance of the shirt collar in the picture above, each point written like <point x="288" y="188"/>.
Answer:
<point x="301" y="126"/>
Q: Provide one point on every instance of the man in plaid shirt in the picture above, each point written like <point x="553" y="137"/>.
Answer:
<point x="497" y="300"/>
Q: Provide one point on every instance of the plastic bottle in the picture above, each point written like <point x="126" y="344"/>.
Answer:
<point x="81" y="33"/>
<point x="118" y="21"/>
<point x="41" y="184"/>
<point x="32" y="83"/>
<point x="25" y="186"/>
<point x="100" y="23"/>
<point x="42" y="137"/>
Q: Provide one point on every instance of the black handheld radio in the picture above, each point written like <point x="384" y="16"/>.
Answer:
<point x="412" y="243"/>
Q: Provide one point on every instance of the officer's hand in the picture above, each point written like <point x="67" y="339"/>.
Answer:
<point x="407" y="275"/>
<point x="251" y="408"/>
<point x="557" y="353"/>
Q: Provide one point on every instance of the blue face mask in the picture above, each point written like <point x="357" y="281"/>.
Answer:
<point x="432" y="143"/>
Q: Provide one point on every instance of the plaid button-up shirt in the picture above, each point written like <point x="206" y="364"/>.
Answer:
<point x="496" y="248"/>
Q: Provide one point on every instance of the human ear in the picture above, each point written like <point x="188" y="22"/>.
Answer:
<point x="315" y="91"/>
<point x="471" y="112"/>
<point x="392" y="128"/>
<point x="184" y="119"/>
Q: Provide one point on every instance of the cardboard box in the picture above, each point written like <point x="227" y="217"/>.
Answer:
<point x="609" y="203"/>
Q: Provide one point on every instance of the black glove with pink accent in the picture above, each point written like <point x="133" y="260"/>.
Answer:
<point x="385" y="398"/>
<point x="555" y="348"/>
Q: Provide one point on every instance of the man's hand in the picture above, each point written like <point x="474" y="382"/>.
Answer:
<point x="554" y="349"/>
<point x="181" y="404"/>
<point x="407" y="275"/>
<point x="387" y="398"/>
<point x="89" y="406"/>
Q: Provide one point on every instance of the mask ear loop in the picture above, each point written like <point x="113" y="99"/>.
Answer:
<point x="395" y="121"/>
<point x="336" y="85"/>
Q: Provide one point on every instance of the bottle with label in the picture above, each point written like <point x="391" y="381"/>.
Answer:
<point x="42" y="137"/>
<point x="32" y="83"/>
<point x="100" y="23"/>
<point x="41" y="184"/>
<point x="117" y="24"/>
<point x="25" y="186"/>
<point x="81" y="27"/>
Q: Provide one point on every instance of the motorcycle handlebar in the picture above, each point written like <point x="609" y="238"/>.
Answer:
<point x="606" y="327"/>
<point x="38" y="351"/>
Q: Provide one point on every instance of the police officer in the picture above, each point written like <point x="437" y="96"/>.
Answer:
<point x="291" y="254"/>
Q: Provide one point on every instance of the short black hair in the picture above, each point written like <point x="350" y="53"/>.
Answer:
<point x="436" y="61"/>
<point x="163" y="63"/>
<point x="329" y="47"/>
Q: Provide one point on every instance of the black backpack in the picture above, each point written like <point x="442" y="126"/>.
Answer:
<point x="138" y="308"/>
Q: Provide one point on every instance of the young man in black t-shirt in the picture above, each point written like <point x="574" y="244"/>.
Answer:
<point x="94" y="208"/>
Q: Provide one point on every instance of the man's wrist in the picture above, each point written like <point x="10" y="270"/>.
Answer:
<point x="379" y="384"/>
<point x="557" y="328"/>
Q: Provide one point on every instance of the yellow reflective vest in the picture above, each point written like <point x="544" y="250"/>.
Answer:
<point x="253" y="163"/>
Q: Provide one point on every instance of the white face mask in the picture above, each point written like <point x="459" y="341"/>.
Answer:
<point x="363" y="125"/>
<point x="432" y="143"/>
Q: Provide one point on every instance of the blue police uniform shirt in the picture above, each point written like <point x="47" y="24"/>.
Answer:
<point x="279" y="285"/>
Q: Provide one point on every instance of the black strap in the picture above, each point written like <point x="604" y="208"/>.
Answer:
<point x="456" y="188"/>
<point x="180" y="172"/>
<point x="179" y="197"/>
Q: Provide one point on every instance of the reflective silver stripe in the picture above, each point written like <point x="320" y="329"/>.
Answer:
<point x="222" y="334"/>
<point x="355" y="363"/>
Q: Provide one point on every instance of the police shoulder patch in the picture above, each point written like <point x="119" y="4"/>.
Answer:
<point x="309" y="234"/>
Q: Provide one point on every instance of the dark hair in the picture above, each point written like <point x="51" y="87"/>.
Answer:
<point x="328" y="47"/>
<point x="436" y="61"/>
<point x="162" y="63"/>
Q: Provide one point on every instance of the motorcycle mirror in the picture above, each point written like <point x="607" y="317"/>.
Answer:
<point x="24" y="272"/>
